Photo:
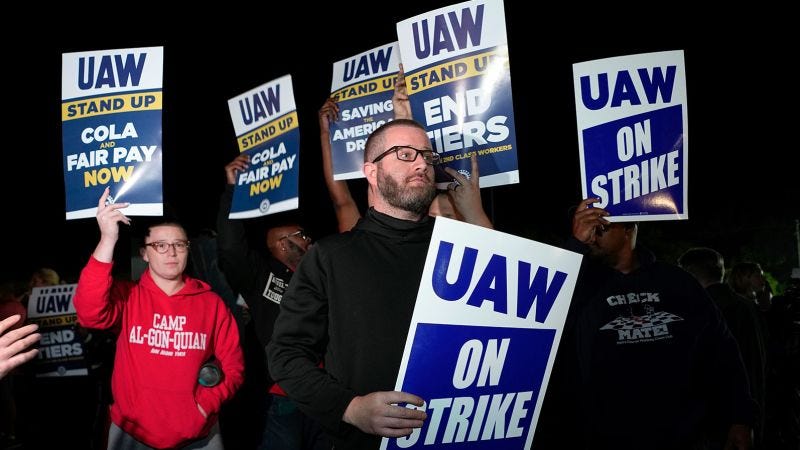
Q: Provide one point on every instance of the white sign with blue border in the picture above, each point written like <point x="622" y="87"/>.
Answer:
<point x="362" y="86"/>
<point x="61" y="352"/>
<point x="111" y="129"/>
<point x="633" y="135"/>
<point x="457" y="72"/>
<point x="266" y="126"/>
<point x="487" y="322"/>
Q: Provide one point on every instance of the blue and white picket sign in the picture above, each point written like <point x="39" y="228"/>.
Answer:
<point x="61" y="350"/>
<point x="457" y="71"/>
<point x="362" y="86"/>
<point x="111" y="129"/>
<point x="266" y="126"/>
<point x="489" y="315"/>
<point x="633" y="135"/>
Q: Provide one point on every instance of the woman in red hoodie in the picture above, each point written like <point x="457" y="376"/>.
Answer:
<point x="170" y="325"/>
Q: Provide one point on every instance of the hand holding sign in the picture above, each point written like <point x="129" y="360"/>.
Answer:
<point x="328" y="113"/>
<point x="378" y="413"/>
<point x="239" y="165"/>
<point x="586" y="221"/>
<point x="466" y="195"/>
<point x="108" y="218"/>
<point x="400" y="103"/>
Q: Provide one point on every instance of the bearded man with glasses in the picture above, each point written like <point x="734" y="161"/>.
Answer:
<point x="351" y="300"/>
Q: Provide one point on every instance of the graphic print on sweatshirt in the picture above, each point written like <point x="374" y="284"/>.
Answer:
<point x="275" y="288"/>
<point x="168" y="336"/>
<point x="638" y="321"/>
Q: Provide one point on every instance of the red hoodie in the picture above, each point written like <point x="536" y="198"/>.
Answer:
<point x="163" y="342"/>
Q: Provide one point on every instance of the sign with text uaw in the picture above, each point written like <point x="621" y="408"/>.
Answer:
<point x="111" y="129"/>
<point x="487" y="322"/>
<point x="61" y="348"/>
<point x="362" y="86"/>
<point x="457" y="71"/>
<point x="632" y="134"/>
<point x="265" y="122"/>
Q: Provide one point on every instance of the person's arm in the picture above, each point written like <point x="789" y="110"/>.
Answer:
<point x="108" y="219"/>
<point x="343" y="204"/>
<point x="466" y="195"/>
<point x="229" y="356"/>
<point x="241" y="265"/>
<point x="298" y="342"/>
<point x="401" y="105"/>
<point x="297" y="346"/>
<point x="98" y="300"/>
<point x="14" y="343"/>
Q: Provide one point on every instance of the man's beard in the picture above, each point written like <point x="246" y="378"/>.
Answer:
<point x="415" y="200"/>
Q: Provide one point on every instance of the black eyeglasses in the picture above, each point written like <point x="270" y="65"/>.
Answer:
<point x="409" y="154"/>
<point x="163" y="247"/>
<point x="299" y="233"/>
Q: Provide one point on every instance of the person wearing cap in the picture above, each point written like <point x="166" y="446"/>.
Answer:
<point x="170" y="326"/>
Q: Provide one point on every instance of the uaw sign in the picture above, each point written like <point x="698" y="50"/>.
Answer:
<point x="633" y="135"/>
<point x="61" y="347"/>
<point x="488" y="318"/>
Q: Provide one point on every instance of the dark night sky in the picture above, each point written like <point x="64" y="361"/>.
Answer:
<point x="742" y="180"/>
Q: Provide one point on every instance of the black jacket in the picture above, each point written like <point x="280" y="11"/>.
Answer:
<point x="259" y="279"/>
<point x="351" y="301"/>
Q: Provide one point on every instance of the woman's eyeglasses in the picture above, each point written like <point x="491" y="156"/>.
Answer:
<point x="163" y="247"/>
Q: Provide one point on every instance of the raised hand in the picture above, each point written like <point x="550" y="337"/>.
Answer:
<point x="108" y="218"/>
<point x="343" y="204"/>
<point x="400" y="102"/>
<point x="328" y="113"/>
<point x="587" y="220"/>
<point x="466" y="195"/>
<point x="238" y="165"/>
